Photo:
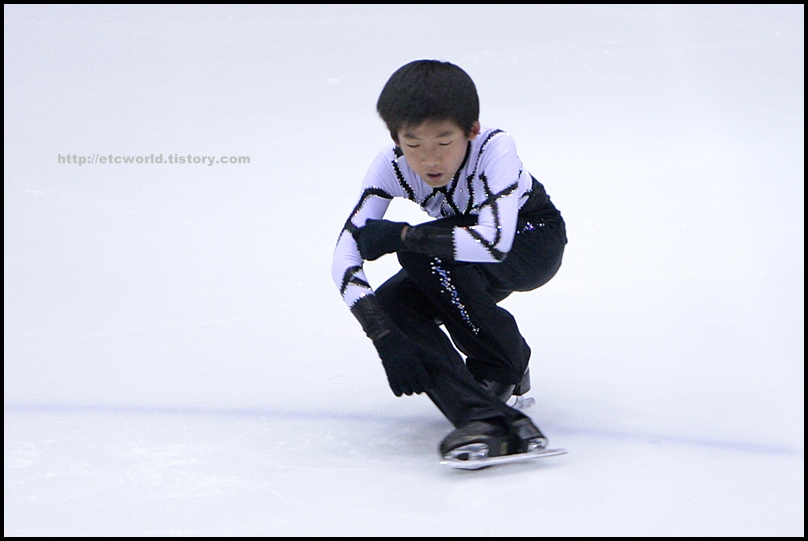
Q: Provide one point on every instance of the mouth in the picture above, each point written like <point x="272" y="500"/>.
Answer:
<point x="434" y="176"/>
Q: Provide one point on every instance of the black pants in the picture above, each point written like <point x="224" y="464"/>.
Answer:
<point x="428" y="292"/>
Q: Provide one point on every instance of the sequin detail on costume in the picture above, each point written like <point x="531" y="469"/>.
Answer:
<point x="530" y="226"/>
<point x="448" y="287"/>
<point x="527" y="227"/>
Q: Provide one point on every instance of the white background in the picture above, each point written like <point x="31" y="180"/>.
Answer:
<point x="177" y="360"/>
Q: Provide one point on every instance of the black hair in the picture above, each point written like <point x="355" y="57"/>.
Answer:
<point x="428" y="90"/>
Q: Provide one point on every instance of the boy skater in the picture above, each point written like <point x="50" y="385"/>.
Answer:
<point x="495" y="232"/>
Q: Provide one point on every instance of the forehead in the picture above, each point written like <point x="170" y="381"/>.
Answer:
<point x="430" y="129"/>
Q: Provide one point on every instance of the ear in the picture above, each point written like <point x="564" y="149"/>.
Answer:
<point x="475" y="130"/>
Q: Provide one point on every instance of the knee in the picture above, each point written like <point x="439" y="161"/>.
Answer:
<point x="386" y="294"/>
<point x="413" y="262"/>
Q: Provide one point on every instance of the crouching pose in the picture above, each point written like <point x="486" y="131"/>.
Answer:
<point x="494" y="232"/>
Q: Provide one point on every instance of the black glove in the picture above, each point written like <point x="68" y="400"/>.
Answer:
<point x="379" y="237"/>
<point x="405" y="362"/>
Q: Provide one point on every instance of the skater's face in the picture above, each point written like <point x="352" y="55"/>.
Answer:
<point x="435" y="149"/>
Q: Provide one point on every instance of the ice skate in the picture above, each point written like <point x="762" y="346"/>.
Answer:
<point x="480" y="444"/>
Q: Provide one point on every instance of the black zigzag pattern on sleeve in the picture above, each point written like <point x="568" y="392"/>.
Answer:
<point x="491" y="200"/>
<point x="470" y="177"/>
<point x="367" y="194"/>
<point x="350" y="278"/>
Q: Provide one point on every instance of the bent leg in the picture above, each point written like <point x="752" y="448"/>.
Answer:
<point x="485" y="332"/>
<point x="534" y="259"/>
<point x="455" y="391"/>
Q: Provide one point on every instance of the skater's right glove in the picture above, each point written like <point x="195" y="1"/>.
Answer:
<point x="405" y="362"/>
<point x="379" y="237"/>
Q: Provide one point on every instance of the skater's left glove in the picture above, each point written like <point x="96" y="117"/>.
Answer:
<point x="379" y="237"/>
<point x="405" y="362"/>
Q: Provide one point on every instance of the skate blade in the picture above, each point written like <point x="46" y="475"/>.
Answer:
<point x="522" y="402"/>
<point x="475" y="457"/>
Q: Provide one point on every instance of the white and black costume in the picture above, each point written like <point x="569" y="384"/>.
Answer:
<point x="495" y="232"/>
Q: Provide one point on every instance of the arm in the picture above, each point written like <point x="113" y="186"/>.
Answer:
<point x="347" y="263"/>
<point x="403" y="359"/>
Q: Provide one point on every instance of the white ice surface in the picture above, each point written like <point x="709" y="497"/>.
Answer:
<point x="178" y="362"/>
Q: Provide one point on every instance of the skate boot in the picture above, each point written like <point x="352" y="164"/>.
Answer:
<point x="479" y="444"/>
<point x="503" y="391"/>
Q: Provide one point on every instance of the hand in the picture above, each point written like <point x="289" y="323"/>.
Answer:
<point x="379" y="237"/>
<point x="405" y="362"/>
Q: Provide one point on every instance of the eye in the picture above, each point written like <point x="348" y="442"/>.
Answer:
<point x="412" y="146"/>
<point x="445" y="144"/>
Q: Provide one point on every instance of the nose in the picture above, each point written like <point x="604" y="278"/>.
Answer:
<point x="430" y="159"/>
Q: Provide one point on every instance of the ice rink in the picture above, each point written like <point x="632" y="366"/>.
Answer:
<point x="177" y="360"/>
